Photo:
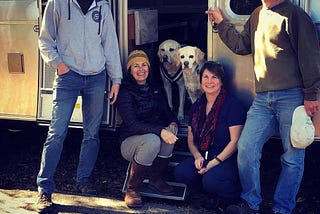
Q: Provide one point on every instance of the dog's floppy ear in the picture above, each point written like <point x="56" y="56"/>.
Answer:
<point x="199" y="56"/>
<point x="176" y="58"/>
<point x="159" y="48"/>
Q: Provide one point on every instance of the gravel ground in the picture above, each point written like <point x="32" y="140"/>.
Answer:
<point x="21" y="151"/>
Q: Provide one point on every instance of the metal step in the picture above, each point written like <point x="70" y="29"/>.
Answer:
<point x="179" y="189"/>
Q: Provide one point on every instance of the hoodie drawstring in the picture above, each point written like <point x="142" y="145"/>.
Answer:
<point x="99" y="19"/>
<point x="69" y="13"/>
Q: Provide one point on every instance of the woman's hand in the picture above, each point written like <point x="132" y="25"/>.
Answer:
<point x="174" y="128"/>
<point x="198" y="162"/>
<point x="210" y="165"/>
<point x="168" y="136"/>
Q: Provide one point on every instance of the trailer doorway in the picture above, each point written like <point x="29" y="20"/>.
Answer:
<point x="182" y="21"/>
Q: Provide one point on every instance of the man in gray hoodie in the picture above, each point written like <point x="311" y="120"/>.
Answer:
<point x="78" y="38"/>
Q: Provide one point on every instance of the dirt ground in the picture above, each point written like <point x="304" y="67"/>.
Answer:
<point x="21" y="151"/>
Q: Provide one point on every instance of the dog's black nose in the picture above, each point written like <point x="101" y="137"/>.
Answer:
<point x="186" y="63"/>
<point x="165" y="58"/>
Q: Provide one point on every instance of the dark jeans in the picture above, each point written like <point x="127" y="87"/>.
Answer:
<point x="221" y="180"/>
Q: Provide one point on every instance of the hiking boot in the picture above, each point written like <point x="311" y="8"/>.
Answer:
<point x="136" y="176"/>
<point x="133" y="199"/>
<point x="44" y="202"/>
<point x="241" y="208"/>
<point x="86" y="188"/>
<point x="160" y="186"/>
<point x="156" y="181"/>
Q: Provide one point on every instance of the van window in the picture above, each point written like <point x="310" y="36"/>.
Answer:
<point x="315" y="15"/>
<point x="244" y="7"/>
<point x="314" y="11"/>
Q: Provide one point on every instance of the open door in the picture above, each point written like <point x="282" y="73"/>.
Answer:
<point x="239" y="69"/>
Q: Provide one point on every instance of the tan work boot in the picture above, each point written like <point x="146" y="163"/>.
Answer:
<point x="132" y="197"/>
<point x="156" y="181"/>
<point x="44" y="202"/>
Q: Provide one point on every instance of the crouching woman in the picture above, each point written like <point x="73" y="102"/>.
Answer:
<point x="214" y="128"/>
<point x="148" y="130"/>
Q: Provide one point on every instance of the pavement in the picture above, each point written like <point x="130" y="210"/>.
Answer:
<point x="22" y="202"/>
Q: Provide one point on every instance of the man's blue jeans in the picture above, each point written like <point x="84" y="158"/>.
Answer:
<point x="271" y="111"/>
<point x="66" y="90"/>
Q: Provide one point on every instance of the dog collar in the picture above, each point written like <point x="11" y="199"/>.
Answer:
<point x="173" y="78"/>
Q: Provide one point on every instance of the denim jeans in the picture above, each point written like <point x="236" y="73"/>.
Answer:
<point x="271" y="112"/>
<point x="67" y="88"/>
<point x="221" y="180"/>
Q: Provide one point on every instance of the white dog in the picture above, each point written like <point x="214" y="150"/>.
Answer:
<point x="171" y="72"/>
<point x="191" y="59"/>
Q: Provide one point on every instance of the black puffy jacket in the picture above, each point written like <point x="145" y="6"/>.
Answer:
<point x="143" y="109"/>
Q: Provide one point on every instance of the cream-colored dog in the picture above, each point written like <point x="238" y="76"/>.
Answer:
<point x="191" y="59"/>
<point x="170" y="71"/>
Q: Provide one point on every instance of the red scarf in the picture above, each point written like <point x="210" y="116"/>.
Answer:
<point x="203" y="126"/>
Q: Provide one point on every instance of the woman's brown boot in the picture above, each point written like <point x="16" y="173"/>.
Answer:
<point x="156" y="181"/>
<point x="132" y="197"/>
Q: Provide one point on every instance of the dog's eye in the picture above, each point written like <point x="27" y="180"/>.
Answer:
<point x="171" y="49"/>
<point x="162" y="49"/>
<point x="182" y="56"/>
<point x="191" y="56"/>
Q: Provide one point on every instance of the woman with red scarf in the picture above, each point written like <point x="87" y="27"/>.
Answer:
<point x="215" y="126"/>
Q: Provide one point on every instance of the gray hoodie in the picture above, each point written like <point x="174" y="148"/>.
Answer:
<point x="87" y="44"/>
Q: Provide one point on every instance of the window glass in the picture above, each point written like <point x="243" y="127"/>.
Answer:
<point x="244" y="7"/>
<point x="315" y="14"/>
<point x="315" y="10"/>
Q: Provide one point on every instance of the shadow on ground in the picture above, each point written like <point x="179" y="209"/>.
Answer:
<point x="20" y="158"/>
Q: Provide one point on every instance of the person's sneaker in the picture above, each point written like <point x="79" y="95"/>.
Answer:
<point x="241" y="208"/>
<point x="86" y="188"/>
<point x="44" y="202"/>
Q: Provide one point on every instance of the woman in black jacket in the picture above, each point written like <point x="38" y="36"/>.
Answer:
<point x="148" y="131"/>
